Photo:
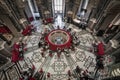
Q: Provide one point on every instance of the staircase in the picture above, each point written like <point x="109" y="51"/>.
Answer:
<point x="114" y="73"/>
<point x="115" y="70"/>
<point x="112" y="78"/>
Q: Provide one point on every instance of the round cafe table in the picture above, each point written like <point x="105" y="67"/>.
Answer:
<point x="58" y="35"/>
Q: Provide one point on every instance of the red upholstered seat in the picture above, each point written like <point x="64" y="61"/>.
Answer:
<point x="15" y="56"/>
<point x="41" y="71"/>
<point x="100" y="49"/>
<point x="30" y="19"/>
<point x="27" y="30"/>
<point x="49" y="20"/>
<point x="16" y="46"/>
<point x="4" y="29"/>
<point x="32" y="79"/>
<point x="33" y="67"/>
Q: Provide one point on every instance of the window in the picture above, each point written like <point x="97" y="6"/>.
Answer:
<point x="58" y="6"/>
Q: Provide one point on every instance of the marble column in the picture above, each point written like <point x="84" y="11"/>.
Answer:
<point x="5" y="50"/>
<point x="117" y="36"/>
<point x="3" y="59"/>
<point x="91" y="23"/>
<point x="22" y="12"/>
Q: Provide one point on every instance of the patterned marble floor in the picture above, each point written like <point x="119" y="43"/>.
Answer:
<point x="59" y="67"/>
